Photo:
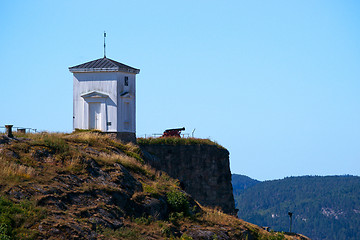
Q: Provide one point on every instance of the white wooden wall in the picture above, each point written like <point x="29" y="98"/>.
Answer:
<point x="108" y="90"/>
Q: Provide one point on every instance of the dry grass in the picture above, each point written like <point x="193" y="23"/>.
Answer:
<point x="216" y="217"/>
<point x="130" y="163"/>
<point x="52" y="152"/>
<point x="132" y="147"/>
<point x="161" y="184"/>
<point x="39" y="135"/>
<point x="11" y="169"/>
<point x="111" y="158"/>
<point x="87" y="137"/>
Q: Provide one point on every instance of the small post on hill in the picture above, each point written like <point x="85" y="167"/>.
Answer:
<point x="9" y="131"/>
<point x="290" y="215"/>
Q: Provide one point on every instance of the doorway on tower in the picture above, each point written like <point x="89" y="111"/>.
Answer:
<point x="95" y="116"/>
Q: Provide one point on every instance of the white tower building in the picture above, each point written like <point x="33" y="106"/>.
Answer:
<point x="104" y="97"/>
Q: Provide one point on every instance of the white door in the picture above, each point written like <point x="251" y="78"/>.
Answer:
<point x="95" y="116"/>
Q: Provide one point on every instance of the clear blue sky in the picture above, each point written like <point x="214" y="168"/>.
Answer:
<point x="275" y="82"/>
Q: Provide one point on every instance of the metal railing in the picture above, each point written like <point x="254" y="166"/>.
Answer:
<point x="19" y="129"/>
<point x="156" y="135"/>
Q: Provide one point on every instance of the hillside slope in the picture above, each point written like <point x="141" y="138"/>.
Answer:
<point x="326" y="208"/>
<point x="89" y="186"/>
<point x="242" y="182"/>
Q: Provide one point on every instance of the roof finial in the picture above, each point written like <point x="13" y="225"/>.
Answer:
<point x="104" y="45"/>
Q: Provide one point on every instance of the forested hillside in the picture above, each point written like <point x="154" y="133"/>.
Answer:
<point x="242" y="182"/>
<point x="326" y="208"/>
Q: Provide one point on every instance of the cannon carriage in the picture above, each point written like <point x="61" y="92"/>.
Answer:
<point x="174" y="132"/>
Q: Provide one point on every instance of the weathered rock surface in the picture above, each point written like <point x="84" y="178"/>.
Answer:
<point x="100" y="198"/>
<point x="203" y="170"/>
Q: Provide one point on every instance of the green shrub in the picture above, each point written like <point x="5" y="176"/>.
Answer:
<point x="215" y="237"/>
<point x="166" y="231"/>
<point x="150" y="189"/>
<point x="175" y="217"/>
<point x="178" y="202"/>
<point x="144" y="220"/>
<point x="5" y="231"/>
<point x="185" y="237"/>
<point x="13" y="217"/>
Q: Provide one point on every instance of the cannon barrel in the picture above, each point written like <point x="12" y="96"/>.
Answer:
<point x="175" y="129"/>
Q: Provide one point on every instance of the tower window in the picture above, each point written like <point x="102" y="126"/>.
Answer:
<point x="126" y="82"/>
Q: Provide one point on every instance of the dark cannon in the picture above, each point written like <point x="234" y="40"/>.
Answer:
<point x="175" y="132"/>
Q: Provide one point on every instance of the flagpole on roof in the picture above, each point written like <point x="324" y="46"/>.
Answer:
<point x="104" y="45"/>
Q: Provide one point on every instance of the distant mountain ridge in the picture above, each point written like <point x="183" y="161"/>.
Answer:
<point x="326" y="208"/>
<point x="242" y="182"/>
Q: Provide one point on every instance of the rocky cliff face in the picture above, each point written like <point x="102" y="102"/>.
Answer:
<point x="203" y="170"/>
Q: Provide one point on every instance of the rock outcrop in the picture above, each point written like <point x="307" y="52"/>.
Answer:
<point x="203" y="171"/>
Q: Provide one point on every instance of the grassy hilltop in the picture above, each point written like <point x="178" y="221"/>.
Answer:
<point x="86" y="185"/>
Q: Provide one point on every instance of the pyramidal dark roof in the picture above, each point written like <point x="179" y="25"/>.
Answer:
<point x="103" y="65"/>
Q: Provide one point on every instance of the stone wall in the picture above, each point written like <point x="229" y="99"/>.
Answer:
<point x="203" y="170"/>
